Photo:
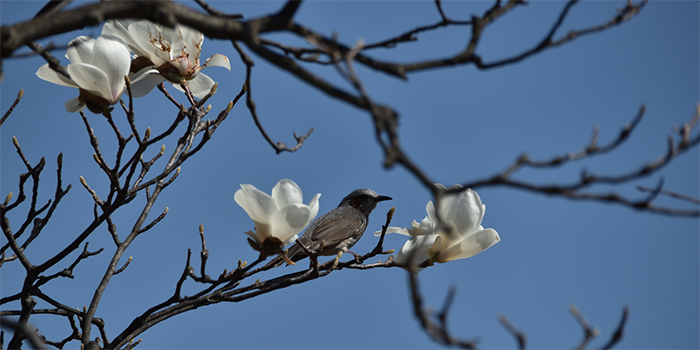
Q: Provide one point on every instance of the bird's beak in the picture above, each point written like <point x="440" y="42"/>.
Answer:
<point x="383" y="198"/>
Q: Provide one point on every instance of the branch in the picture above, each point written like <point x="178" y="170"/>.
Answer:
<point x="12" y="107"/>
<point x="519" y="336"/>
<point x="576" y="190"/>
<point x="278" y="146"/>
<point x="437" y="331"/>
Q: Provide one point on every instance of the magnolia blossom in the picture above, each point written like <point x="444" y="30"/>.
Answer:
<point x="164" y="53"/>
<point x="463" y="213"/>
<point x="280" y="217"/>
<point x="97" y="68"/>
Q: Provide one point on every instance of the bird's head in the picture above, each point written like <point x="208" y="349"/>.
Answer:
<point x="364" y="200"/>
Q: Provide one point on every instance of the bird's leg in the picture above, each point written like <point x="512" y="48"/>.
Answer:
<point x="357" y="256"/>
<point x="313" y="264"/>
<point x="336" y="260"/>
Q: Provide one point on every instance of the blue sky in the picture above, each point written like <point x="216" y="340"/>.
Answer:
<point x="460" y="124"/>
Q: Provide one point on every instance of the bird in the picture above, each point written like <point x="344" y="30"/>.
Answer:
<point x="335" y="232"/>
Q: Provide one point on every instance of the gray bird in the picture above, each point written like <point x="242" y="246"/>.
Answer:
<point x="338" y="230"/>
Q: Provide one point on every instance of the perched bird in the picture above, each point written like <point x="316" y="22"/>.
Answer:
<point x="338" y="230"/>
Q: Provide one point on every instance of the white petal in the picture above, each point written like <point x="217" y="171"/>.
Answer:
<point x="119" y="28"/>
<point x="144" y="81"/>
<point x="471" y="245"/>
<point x="149" y="39"/>
<point x="73" y="105"/>
<point x="259" y="205"/>
<point x="392" y="229"/>
<point x="262" y="231"/>
<point x="111" y="55"/>
<point x="289" y="221"/>
<point x="313" y="205"/>
<point x="176" y="42"/>
<point x="45" y="72"/>
<point x="254" y="237"/>
<point x="430" y="209"/>
<point x="193" y="40"/>
<point x="425" y="227"/>
<point x="291" y="240"/>
<point x="421" y="248"/>
<point x="463" y="210"/>
<point x="80" y="50"/>
<point x="217" y="60"/>
<point x="287" y="192"/>
<point x="199" y="86"/>
<point x="91" y="79"/>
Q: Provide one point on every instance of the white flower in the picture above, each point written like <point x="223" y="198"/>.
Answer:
<point x="280" y="217"/>
<point x="463" y="213"/>
<point x="97" y="68"/>
<point x="164" y="53"/>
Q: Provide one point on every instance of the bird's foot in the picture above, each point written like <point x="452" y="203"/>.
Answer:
<point x="336" y="260"/>
<point x="357" y="256"/>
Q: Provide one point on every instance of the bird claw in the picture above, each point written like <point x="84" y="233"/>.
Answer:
<point x="286" y="258"/>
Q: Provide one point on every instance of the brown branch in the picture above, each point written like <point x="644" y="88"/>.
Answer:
<point x="68" y="272"/>
<point x="519" y="336"/>
<point x="222" y="288"/>
<point x="576" y="190"/>
<point x="12" y="107"/>
<point x="670" y="194"/>
<point x="619" y="331"/>
<point x="214" y="12"/>
<point x="437" y="332"/>
<point x="278" y="146"/>
<point x="588" y="332"/>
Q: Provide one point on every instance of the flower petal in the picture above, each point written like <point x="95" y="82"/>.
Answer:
<point x="425" y="227"/>
<point x="258" y="204"/>
<point x="119" y="28"/>
<point x="217" y="60"/>
<point x="199" y="86"/>
<point x="430" y="209"/>
<point x="111" y="55"/>
<point x="150" y="41"/>
<point x="192" y="40"/>
<point x="90" y="78"/>
<point x="313" y="205"/>
<point x="392" y="229"/>
<point x="291" y="240"/>
<point x="80" y="50"/>
<point x="144" y="81"/>
<point x="287" y="192"/>
<point x="262" y="231"/>
<point x="289" y="221"/>
<point x="178" y="44"/>
<point x="421" y="247"/>
<point x="45" y="72"/>
<point x="463" y="210"/>
<point x="255" y="237"/>
<point x="470" y="246"/>
<point x="73" y="105"/>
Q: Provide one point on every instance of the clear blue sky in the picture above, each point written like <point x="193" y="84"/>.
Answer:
<point x="459" y="124"/>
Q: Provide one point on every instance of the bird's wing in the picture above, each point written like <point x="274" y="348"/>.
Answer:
<point x="340" y="225"/>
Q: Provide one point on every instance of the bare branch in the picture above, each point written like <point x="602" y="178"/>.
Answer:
<point x="519" y="336"/>
<point x="577" y="189"/>
<point x="438" y="332"/>
<point x="278" y="146"/>
<point x="12" y="107"/>
<point x="618" y="334"/>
